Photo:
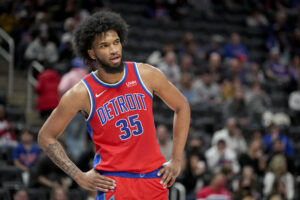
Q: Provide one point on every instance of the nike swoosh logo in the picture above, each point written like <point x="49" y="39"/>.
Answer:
<point x="98" y="95"/>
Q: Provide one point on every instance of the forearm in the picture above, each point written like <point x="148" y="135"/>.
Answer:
<point x="20" y="165"/>
<point x="180" y="130"/>
<point x="43" y="180"/>
<point x="57" y="154"/>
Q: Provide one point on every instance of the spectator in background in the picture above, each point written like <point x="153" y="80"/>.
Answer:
<point x="156" y="57"/>
<point x="237" y="108"/>
<point x="215" y="67"/>
<point x="47" y="90"/>
<point x="197" y="142"/>
<point x="170" y="67"/>
<point x="26" y="154"/>
<point x="157" y="10"/>
<point x="221" y="156"/>
<point x="205" y="8"/>
<point x="49" y="176"/>
<point x="164" y="141"/>
<point x="254" y="157"/>
<point x="235" y="48"/>
<point x="232" y="135"/>
<point x="66" y="51"/>
<point x="42" y="49"/>
<point x="215" y="45"/>
<point x="227" y="87"/>
<point x="59" y="193"/>
<point x="187" y="39"/>
<point x="75" y="132"/>
<point x="275" y="69"/>
<point x="276" y="197"/>
<point x="207" y="92"/>
<point x="294" y="106"/>
<point x="278" y="149"/>
<point x="7" y="136"/>
<point x="193" y="175"/>
<point x="257" y="102"/>
<point x="21" y="194"/>
<point x="257" y="20"/>
<point x="275" y="134"/>
<point x="248" y="198"/>
<point x="186" y="86"/>
<point x="278" y="37"/>
<point x="216" y="188"/>
<point x="69" y="79"/>
<point x="295" y="39"/>
<point x="187" y="64"/>
<point x="189" y="46"/>
<point x="248" y="184"/>
<point x="278" y="173"/>
<point x="236" y="68"/>
<point x="294" y="68"/>
<point x="254" y="74"/>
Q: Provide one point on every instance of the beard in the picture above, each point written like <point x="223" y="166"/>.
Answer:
<point x="108" y="68"/>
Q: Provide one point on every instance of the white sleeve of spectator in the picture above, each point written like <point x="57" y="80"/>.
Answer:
<point x="268" y="183"/>
<point x="290" y="190"/>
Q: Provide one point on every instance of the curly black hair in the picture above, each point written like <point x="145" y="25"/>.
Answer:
<point x="96" y="24"/>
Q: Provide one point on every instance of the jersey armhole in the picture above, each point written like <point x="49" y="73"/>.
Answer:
<point x="140" y="80"/>
<point x="92" y="100"/>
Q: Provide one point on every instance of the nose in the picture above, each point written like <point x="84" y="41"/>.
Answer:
<point x="113" y="49"/>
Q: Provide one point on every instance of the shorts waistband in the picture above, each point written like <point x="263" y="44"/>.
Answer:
<point x="152" y="174"/>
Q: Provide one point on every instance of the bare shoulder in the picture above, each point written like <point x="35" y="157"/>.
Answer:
<point x="147" y="70"/>
<point x="77" y="97"/>
<point x="151" y="75"/>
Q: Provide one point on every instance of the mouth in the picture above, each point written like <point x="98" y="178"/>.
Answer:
<point x="115" y="59"/>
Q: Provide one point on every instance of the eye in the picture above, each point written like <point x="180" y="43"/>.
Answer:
<point x="116" y="42"/>
<point x="103" y="45"/>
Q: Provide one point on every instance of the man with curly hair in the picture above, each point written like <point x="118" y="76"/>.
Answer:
<point x="117" y="101"/>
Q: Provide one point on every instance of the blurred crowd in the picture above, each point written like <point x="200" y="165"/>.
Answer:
<point x="243" y="150"/>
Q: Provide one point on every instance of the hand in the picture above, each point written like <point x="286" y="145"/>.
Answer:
<point x="55" y="184"/>
<point x="92" y="180"/>
<point x="170" y="171"/>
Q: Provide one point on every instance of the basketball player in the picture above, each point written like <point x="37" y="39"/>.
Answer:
<point x="117" y="101"/>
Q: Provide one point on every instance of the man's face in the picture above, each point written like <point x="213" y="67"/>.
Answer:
<point x="107" y="51"/>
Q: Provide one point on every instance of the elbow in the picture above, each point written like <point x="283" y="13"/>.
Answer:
<point x="41" y="139"/>
<point x="185" y="105"/>
<point x="183" y="108"/>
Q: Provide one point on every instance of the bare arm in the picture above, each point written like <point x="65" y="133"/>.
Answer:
<point x="54" y="126"/>
<point x="73" y="101"/>
<point x="19" y="165"/>
<point x="159" y="85"/>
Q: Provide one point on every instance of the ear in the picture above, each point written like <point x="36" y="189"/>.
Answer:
<point x="91" y="54"/>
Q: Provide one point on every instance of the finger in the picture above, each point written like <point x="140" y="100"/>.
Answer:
<point x="109" y="184"/>
<point x="102" y="176"/>
<point x="165" y="176"/>
<point x="161" y="171"/>
<point x="106" y="178"/>
<point x="167" y="179"/>
<point x="171" y="182"/>
<point x="104" y="181"/>
<point x="105" y="186"/>
<point x="101" y="189"/>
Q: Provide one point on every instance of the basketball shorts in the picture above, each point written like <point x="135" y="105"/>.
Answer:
<point x="134" y="186"/>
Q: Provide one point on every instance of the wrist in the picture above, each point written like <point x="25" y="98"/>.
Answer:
<point x="176" y="160"/>
<point x="79" y="176"/>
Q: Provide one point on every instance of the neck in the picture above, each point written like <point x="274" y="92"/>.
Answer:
<point x="27" y="145"/>
<point x="108" y="77"/>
